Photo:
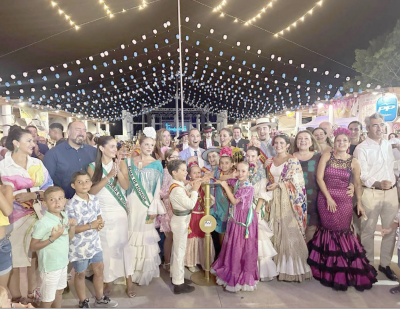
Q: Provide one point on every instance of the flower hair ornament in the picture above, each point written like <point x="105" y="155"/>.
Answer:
<point x="226" y="152"/>
<point x="340" y="131"/>
<point x="150" y="132"/>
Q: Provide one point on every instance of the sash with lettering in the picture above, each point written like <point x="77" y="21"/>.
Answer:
<point x="263" y="156"/>
<point x="114" y="190"/>
<point x="137" y="187"/>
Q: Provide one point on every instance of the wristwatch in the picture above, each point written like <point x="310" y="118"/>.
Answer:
<point x="37" y="195"/>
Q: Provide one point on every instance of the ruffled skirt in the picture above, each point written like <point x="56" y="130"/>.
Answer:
<point x="338" y="260"/>
<point x="195" y="252"/>
<point x="266" y="251"/>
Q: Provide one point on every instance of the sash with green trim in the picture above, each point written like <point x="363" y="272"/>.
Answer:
<point x="250" y="214"/>
<point x="138" y="187"/>
<point x="114" y="190"/>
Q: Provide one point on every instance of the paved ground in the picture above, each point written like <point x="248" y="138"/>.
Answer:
<point x="268" y="294"/>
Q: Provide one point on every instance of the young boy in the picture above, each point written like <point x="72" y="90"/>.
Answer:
<point x="182" y="204"/>
<point x="51" y="238"/>
<point x="85" y="248"/>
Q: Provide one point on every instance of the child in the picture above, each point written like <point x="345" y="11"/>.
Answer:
<point x="195" y="253"/>
<point x="236" y="267"/>
<point x="220" y="210"/>
<point x="85" y="248"/>
<point x="5" y="302"/>
<point x="266" y="251"/>
<point x="393" y="226"/>
<point x="51" y="238"/>
<point x="182" y="204"/>
<point x="211" y="160"/>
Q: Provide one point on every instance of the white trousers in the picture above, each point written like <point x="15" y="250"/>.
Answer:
<point x="179" y="229"/>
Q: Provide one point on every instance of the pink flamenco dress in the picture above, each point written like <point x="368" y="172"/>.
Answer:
<point x="337" y="258"/>
<point x="236" y="267"/>
<point x="163" y="222"/>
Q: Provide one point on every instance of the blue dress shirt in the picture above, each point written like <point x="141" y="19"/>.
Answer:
<point x="63" y="160"/>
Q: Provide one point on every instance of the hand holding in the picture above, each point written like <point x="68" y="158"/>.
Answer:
<point x="24" y="197"/>
<point x="196" y="185"/>
<point x="268" y="162"/>
<point x="72" y="222"/>
<point x="56" y="232"/>
<point x="386" y="184"/>
<point x="360" y="210"/>
<point x="386" y="231"/>
<point x="272" y="187"/>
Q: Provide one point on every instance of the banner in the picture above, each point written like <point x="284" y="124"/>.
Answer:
<point x="387" y="106"/>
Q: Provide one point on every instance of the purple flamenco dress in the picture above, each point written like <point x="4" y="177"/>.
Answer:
<point x="236" y="267"/>
<point x="337" y="258"/>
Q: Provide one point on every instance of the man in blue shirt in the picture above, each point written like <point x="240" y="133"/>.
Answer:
<point x="69" y="157"/>
<point x="40" y="149"/>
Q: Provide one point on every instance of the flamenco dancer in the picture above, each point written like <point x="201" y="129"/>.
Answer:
<point x="195" y="253"/>
<point x="337" y="258"/>
<point x="236" y="267"/>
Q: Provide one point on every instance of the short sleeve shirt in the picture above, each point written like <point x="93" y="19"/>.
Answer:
<point x="55" y="255"/>
<point x="87" y="244"/>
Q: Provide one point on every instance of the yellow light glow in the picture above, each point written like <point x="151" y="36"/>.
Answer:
<point x="310" y="11"/>
<point x="276" y="35"/>
<point x="60" y="12"/>
<point x="77" y="27"/>
<point x="236" y="20"/>
<point x="53" y="3"/>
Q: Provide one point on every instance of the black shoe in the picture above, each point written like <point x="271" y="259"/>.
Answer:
<point x="188" y="281"/>
<point x="66" y="290"/>
<point x="90" y="278"/>
<point x="183" y="288"/>
<point x="388" y="272"/>
<point x="84" y="304"/>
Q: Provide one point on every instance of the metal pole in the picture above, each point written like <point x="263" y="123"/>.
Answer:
<point x="207" y="235"/>
<point x="180" y="59"/>
<point x="177" y="108"/>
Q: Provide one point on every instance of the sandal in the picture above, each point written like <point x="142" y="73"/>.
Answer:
<point x="131" y="294"/>
<point x="395" y="290"/>
<point x="166" y="266"/>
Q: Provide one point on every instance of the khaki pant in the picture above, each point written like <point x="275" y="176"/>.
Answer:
<point x="384" y="204"/>
<point x="179" y="229"/>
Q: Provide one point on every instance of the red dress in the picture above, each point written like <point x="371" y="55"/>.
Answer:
<point x="195" y="250"/>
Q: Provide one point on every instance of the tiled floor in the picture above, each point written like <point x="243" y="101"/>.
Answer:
<point x="268" y="294"/>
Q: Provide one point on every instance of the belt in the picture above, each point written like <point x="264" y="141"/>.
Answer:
<point x="373" y="188"/>
<point x="181" y="213"/>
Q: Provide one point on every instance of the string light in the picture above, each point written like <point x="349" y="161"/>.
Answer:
<point x="219" y="7"/>
<point x="260" y="13"/>
<point x="144" y="4"/>
<point x="301" y="19"/>
<point x="62" y="13"/>
<point x="106" y="8"/>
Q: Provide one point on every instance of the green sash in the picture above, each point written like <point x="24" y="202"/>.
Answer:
<point x="137" y="186"/>
<point x="114" y="190"/>
<point x="250" y="214"/>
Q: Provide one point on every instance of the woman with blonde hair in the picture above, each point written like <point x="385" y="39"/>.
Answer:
<point x="323" y="140"/>
<point x="163" y="139"/>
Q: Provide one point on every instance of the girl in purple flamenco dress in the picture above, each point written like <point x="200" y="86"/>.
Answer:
<point x="236" y="267"/>
<point x="337" y="258"/>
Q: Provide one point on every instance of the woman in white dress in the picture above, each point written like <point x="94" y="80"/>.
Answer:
<point x="258" y="179"/>
<point x="110" y="180"/>
<point x="144" y="202"/>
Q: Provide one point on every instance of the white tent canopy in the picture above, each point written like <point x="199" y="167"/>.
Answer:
<point x="341" y="122"/>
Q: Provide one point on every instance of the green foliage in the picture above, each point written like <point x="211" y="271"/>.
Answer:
<point x="379" y="64"/>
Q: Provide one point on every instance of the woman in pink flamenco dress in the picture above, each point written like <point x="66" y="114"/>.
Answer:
<point x="337" y="258"/>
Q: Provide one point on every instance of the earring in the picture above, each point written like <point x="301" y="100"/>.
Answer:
<point x="16" y="150"/>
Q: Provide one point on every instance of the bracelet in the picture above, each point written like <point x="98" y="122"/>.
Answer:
<point x="90" y="226"/>
<point x="50" y="240"/>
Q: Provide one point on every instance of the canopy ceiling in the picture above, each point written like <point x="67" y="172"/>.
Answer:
<point x="131" y="61"/>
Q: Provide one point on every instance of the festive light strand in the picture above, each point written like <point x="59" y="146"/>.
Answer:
<point x="62" y="13"/>
<point x="106" y="8"/>
<point x="301" y="19"/>
<point x="260" y="13"/>
<point x="144" y="4"/>
<point x="219" y="7"/>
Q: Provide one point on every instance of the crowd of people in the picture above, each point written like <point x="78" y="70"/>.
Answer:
<point x="287" y="208"/>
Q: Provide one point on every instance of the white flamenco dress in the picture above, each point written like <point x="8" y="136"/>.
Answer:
<point x="266" y="250"/>
<point x="117" y="254"/>
<point x="143" y="236"/>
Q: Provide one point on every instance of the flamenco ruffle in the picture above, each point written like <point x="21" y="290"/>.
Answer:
<point x="338" y="260"/>
<point x="163" y="222"/>
<point x="235" y="282"/>
<point x="145" y="252"/>
<point x="195" y="252"/>
<point x="266" y="251"/>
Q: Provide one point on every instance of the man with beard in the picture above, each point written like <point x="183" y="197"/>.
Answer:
<point x="69" y="157"/>
<point x="263" y="128"/>
<point x="193" y="152"/>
